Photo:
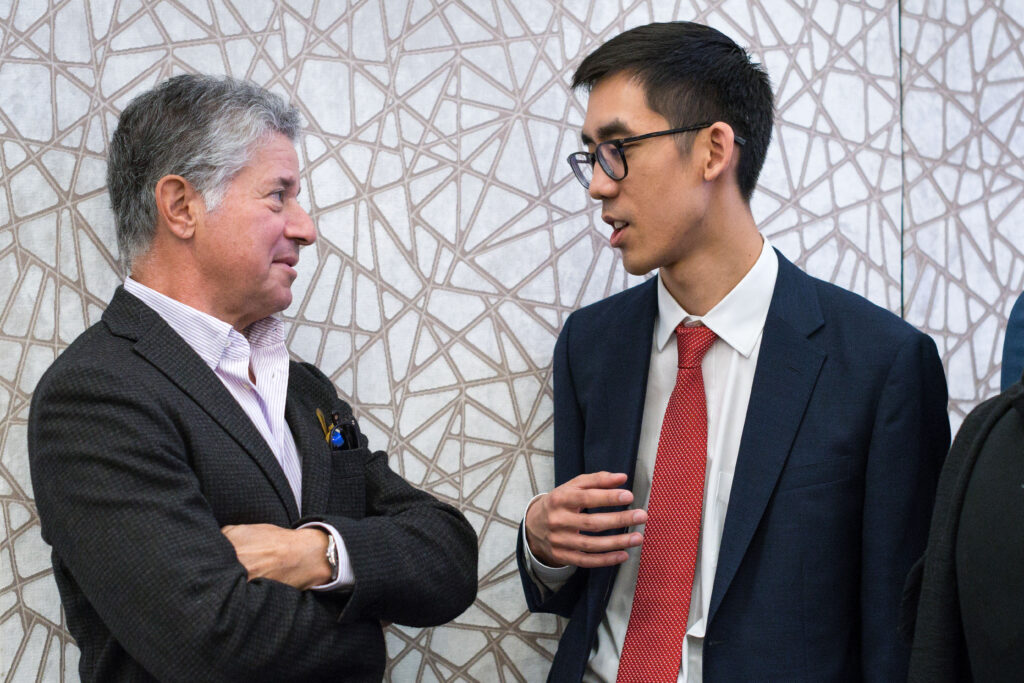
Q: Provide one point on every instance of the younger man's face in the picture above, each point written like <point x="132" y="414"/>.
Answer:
<point x="657" y="211"/>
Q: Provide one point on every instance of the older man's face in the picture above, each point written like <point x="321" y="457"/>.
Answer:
<point x="248" y="247"/>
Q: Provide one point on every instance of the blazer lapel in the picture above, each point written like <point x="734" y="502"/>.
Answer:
<point x="618" y="366"/>
<point x="787" y="369"/>
<point x="624" y="370"/>
<point x="300" y="412"/>
<point x="168" y="352"/>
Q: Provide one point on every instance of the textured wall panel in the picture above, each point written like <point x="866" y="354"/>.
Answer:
<point x="453" y="240"/>
<point x="964" y="139"/>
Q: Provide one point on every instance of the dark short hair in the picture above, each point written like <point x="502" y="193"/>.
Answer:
<point x="693" y="73"/>
<point x="202" y="128"/>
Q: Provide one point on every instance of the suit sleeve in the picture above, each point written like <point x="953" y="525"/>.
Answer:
<point x="413" y="556"/>
<point x="908" y="445"/>
<point x="569" y="429"/>
<point x="130" y="526"/>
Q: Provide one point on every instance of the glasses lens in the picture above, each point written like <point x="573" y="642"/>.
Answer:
<point x="611" y="160"/>
<point x="583" y="166"/>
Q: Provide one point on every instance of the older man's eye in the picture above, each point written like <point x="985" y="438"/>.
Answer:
<point x="278" y="195"/>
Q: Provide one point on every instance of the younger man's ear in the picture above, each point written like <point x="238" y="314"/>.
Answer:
<point x="179" y="205"/>
<point x="721" y="150"/>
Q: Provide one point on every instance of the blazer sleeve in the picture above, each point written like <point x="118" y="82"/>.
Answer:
<point x="413" y="556"/>
<point x="569" y="429"/>
<point x="134" y="533"/>
<point x="909" y="442"/>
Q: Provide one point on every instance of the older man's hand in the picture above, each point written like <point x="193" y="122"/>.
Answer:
<point x="297" y="557"/>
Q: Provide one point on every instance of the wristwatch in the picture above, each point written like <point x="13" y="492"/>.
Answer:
<point x="332" y="556"/>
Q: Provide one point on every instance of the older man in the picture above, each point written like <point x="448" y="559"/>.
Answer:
<point x="213" y="510"/>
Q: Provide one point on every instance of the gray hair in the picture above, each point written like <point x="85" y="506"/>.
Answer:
<point x="202" y="128"/>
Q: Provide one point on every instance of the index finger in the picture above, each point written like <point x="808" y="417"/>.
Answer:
<point x="587" y="498"/>
<point x="598" y="480"/>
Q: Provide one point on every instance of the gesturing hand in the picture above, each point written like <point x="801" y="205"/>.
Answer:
<point x="296" y="557"/>
<point x="555" y="520"/>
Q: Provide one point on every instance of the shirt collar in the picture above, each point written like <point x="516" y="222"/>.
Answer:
<point x="738" y="318"/>
<point x="209" y="337"/>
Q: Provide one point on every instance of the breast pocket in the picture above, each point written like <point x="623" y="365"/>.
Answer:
<point x="348" y="483"/>
<point x="818" y="473"/>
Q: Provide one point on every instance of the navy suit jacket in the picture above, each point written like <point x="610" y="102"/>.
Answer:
<point x="845" y="433"/>
<point x="1013" y="346"/>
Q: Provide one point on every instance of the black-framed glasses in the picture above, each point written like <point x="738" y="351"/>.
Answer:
<point x="613" y="161"/>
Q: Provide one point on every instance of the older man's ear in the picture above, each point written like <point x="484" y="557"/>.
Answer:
<point x="179" y="206"/>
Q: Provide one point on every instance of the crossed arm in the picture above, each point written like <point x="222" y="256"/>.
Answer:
<point x="297" y="557"/>
<point x="133" y="530"/>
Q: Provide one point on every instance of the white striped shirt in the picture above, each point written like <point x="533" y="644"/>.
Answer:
<point x="231" y="354"/>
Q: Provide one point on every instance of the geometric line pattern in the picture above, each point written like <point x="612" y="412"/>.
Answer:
<point x="964" y="185"/>
<point x="454" y="240"/>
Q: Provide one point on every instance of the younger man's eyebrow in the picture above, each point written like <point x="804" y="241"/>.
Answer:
<point x="613" y="129"/>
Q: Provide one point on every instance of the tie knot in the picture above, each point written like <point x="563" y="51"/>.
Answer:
<point x="693" y="343"/>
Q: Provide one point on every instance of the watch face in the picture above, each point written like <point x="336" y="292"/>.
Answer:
<point x="332" y="556"/>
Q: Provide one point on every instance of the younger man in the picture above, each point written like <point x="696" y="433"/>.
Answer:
<point x="776" y="439"/>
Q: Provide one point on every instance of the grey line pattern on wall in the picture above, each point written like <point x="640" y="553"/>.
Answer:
<point x="454" y="241"/>
<point x="964" y="145"/>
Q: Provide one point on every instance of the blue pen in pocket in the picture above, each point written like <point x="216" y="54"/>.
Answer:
<point x="344" y="434"/>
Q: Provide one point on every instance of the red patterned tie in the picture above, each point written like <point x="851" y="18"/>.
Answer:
<point x="657" y="623"/>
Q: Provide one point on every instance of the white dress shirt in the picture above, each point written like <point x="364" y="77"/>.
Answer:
<point x="728" y="370"/>
<point x="231" y="355"/>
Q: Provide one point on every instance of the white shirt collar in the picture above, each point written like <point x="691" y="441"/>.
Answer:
<point x="738" y="318"/>
<point x="209" y="336"/>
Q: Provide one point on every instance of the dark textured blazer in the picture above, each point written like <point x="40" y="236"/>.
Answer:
<point x="969" y="619"/>
<point x="139" y="455"/>
<point x="844" y="437"/>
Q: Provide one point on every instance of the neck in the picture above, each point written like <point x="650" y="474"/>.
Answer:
<point x="706" y="274"/>
<point x="178" y="279"/>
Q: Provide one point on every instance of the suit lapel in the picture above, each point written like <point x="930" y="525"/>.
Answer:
<point x="169" y="353"/>
<point x="300" y="412"/>
<point x="787" y="370"/>
<point x="624" y="370"/>
<point x="618" y="366"/>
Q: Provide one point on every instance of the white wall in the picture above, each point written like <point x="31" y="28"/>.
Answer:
<point x="454" y="241"/>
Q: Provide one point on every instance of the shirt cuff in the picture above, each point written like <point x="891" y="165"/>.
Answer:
<point x="546" y="578"/>
<point x="345" y="575"/>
